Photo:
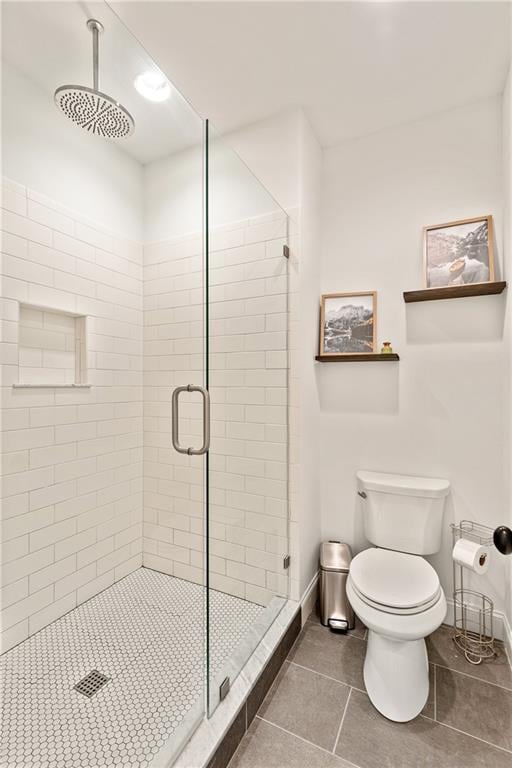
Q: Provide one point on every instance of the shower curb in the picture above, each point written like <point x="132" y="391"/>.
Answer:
<point x="214" y="741"/>
<point x="255" y="696"/>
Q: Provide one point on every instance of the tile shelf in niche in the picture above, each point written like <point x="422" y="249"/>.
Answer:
<point x="387" y="357"/>
<point x="51" y="348"/>
<point x="51" y="386"/>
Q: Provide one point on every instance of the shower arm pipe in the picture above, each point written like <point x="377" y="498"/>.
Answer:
<point x="95" y="28"/>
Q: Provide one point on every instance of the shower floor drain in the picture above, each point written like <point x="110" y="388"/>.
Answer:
<point x="91" y="683"/>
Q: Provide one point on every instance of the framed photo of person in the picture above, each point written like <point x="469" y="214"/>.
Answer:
<point x="459" y="252"/>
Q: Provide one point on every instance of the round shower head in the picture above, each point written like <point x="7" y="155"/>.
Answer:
<point x="94" y="111"/>
<point x="91" y="109"/>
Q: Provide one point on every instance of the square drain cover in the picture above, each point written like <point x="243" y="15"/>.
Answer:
<point x="91" y="683"/>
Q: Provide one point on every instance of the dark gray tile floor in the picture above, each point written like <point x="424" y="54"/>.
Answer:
<point x="317" y="713"/>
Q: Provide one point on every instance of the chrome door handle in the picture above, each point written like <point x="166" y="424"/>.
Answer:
<point x="176" y="425"/>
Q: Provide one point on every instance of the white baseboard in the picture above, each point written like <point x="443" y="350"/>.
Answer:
<point x="309" y="598"/>
<point x="507" y="638"/>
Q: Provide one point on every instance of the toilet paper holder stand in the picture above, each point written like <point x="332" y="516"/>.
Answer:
<point x="473" y="612"/>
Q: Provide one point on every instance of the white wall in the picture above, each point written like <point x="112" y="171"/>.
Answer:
<point x="271" y="148"/>
<point x="440" y="411"/>
<point x="507" y="261"/>
<point x="44" y="151"/>
<point x="174" y="191"/>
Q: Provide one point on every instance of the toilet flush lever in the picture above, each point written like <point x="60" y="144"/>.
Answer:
<point x="362" y="494"/>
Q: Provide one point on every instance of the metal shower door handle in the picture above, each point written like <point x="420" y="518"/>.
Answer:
<point x="176" y="423"/>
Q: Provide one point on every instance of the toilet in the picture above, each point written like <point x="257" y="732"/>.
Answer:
<point x="395" y="592"/>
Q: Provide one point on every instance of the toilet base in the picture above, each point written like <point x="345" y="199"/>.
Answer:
<point x="396" y="676"/>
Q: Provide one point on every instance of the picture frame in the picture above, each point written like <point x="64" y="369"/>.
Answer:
<point x="459" y="252"/>
<point x="348" y="323"/>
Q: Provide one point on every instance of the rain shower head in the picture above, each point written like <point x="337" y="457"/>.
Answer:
<point x="91" y="109"/>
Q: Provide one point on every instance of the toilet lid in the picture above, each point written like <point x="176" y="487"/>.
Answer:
<point x="394" y="579"/>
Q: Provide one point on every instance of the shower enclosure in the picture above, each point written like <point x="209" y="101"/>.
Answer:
<point x="144" y="391"/>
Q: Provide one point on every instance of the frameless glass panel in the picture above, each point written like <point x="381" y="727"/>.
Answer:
<point x="103" y="283"/>
<point x="247" y="275"/>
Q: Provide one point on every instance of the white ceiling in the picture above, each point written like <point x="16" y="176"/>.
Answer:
<point x="356" y="68"/>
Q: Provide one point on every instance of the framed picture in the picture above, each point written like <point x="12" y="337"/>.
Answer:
<point x="459" y="252"/>
<point x="348" y="323"/>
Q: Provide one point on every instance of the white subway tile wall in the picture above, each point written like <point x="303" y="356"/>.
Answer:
<point x="75" y="461"/>
<point x="72" y="458"/>
<point x="248" y="389"/>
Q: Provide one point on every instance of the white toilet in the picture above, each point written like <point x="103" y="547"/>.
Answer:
<point x="394" y="591"/>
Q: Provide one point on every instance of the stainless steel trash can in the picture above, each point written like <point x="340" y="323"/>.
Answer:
<point x="335" y="610"/>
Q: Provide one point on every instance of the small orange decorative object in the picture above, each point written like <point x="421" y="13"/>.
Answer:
<point x="387" y="349"/>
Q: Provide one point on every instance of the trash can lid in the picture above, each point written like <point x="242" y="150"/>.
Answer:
<point x="335" y="556"/>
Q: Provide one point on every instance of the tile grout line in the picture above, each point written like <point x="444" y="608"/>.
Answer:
<point x="242" y="739"/>
<point x="473" y="677"/>
<point x="435" y="664"/>
<point x="341" y="723"/>
<point x="435" y="692"/>
<point x="465" y="733"/>
<point x="272" y="685"/>
<point x="301" y="738"/>
<point x="425" y="716"/>
<point x="328" y="677"/>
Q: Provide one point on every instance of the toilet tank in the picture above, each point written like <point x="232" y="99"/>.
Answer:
<point x="403" y="512"/>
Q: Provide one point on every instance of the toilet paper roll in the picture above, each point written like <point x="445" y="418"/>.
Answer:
<point x="471" y="555"/>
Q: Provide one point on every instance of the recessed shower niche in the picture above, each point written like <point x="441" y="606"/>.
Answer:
<point x="51" y="348"/>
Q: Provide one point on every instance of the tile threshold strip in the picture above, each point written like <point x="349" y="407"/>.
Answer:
<point x="312" y="744"/>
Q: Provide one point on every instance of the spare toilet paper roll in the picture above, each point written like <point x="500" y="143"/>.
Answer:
<point x="471" y="555"/>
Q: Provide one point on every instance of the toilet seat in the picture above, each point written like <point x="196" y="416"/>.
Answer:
<point x="397" y="611"/>
<point x="411" y="626"/>
<point x="394" y="582"/>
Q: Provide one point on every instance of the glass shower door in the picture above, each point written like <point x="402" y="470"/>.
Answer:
<point x="247" y="375"/>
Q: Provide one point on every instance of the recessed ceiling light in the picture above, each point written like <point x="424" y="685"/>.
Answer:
<point x="153" y="86"/>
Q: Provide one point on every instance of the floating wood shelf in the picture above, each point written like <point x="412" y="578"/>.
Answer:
<point x="455" y="291"/>
<point x="387" y="357"/>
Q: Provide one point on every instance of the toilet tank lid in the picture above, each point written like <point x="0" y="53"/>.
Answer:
<point x="403" y="485"/>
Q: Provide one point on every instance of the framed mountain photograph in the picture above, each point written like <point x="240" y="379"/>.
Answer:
<point x="459" y="252"/>
<point x="348" y="323"/>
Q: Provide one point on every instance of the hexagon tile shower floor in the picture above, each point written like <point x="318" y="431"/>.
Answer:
<point x="146" y="634"/>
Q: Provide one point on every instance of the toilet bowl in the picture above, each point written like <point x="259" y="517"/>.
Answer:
<point x="399" y="598"/>
<point x="394" y="591"/>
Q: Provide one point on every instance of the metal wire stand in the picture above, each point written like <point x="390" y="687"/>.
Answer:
<point x="473" y="611"/>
